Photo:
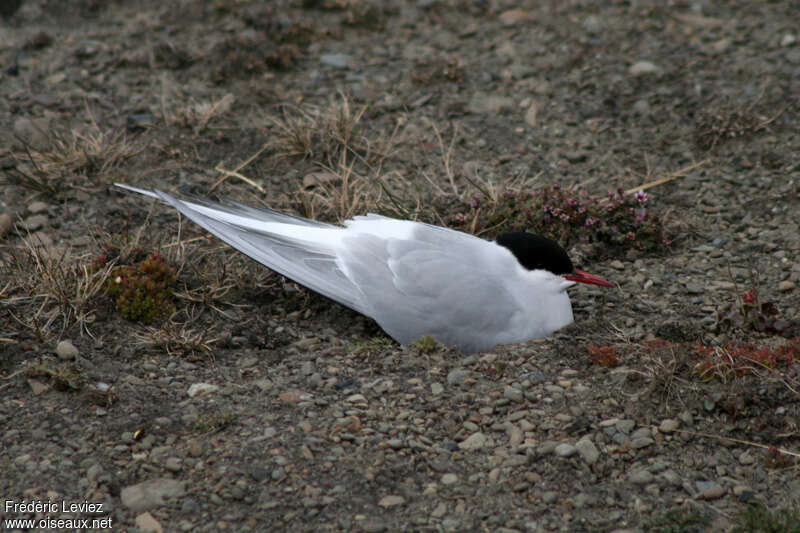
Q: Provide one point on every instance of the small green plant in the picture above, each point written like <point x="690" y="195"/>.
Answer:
<point x="426" y="344"/>
<point x="679" y="521"/>
<point x="774" y="458"/>
<point x="434" y="71"/>
<point x="358" y="13"/>
<point x="714" y="125"/>
<point x="213" y="422"/>
<point x="142" y="290"/>
<point x="569" y="217"/>
<point x="62" y="377"/>
<point x="493" y="369"/>
<point x="758" y="518"/>
<point x="750" y="312"/>
<point x="242" y="58"/>
<point x="368" y="348"/>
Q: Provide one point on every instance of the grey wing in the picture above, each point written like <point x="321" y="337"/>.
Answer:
<point x="235" y="208"/>
<point x="414" y="288"/>
<point x="313" y="267"/>
<point x="257" y="213"/>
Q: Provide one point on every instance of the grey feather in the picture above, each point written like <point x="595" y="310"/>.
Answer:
<point x="313" y="268"/>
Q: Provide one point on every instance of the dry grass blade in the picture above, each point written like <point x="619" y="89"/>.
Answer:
<point x="663" y="370"/>
<point x="324" y="134"/>
<point x="738" y="441"/>
<point x="199" y="114"/>
<point x="479" y="176"/>
<point x="177" y="339"/>
<point x="94" y="152"/>
<point x="30" y="176"/>
<point x="235" y="172"/>
<point x="65" y="288"/>
<point x="447" y="156"/>
<point x="344" y="197"/>
<point x="681" y="173"/>
<point x="294" y="135"/>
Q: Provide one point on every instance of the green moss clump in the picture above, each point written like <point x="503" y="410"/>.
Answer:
<point x="143" y="291"/>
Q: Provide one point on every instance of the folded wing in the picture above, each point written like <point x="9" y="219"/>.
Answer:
<point x="415" y="287"/>
<point x="297" y="248"/>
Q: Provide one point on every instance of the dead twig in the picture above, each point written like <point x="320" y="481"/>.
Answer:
<point x="737" y="441"/>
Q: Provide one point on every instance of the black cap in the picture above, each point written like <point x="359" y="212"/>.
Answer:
<point x="537" y="253"/>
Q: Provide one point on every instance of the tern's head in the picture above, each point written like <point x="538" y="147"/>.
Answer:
<point x="534" y="252"/>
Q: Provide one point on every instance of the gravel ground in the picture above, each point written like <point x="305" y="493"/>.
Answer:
<point x="259" y="406"/>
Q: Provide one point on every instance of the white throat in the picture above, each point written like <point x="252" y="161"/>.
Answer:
<point x="544" y="302"/>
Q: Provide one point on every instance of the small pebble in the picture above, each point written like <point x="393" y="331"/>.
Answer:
<point x="356" y="398"/>
<point x="550" y="496"/>
<point x="670" y="476"/>
<point x="196" y="389"/>
<point x="643" y="68"/>
<point x="457" y="376"/>
<point x="475" y="441"/>
<point x="625" y="426"/>
<point x="577" y="156"/>
<point x="38" y="207"/>
<point x="37" y="387"/>
<point x="743" y="492"/>
<point x="640" y="477"/>
<point x="146" y="522"/>
<point x="34" y="132"/>
<point x="668" y="425"/>
<point x="547" y="447"/>
<point x="173" y="464"/>
<point x="449" y="479"/>
<point x="786" y="286"/>
<point x="391" y="501"/>
<point x="710" y="490"/>
<point x="35" y="222"/>
<point x="336" y="60"/>
<point x="593" y="25"/>
<point x="6" y="222"/>
<point x="510" y="393"/>
<point x="440" y="510"/>
<point x="565" y="450"/>
<point x="587" y="450"/>
<point x="66" y="350"/>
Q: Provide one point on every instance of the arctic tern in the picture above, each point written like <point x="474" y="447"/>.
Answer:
<point x="414" y="279"/>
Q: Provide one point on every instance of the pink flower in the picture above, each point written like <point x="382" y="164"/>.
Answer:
<point x="641" y="197"/>
<point x="750" y="297"/>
